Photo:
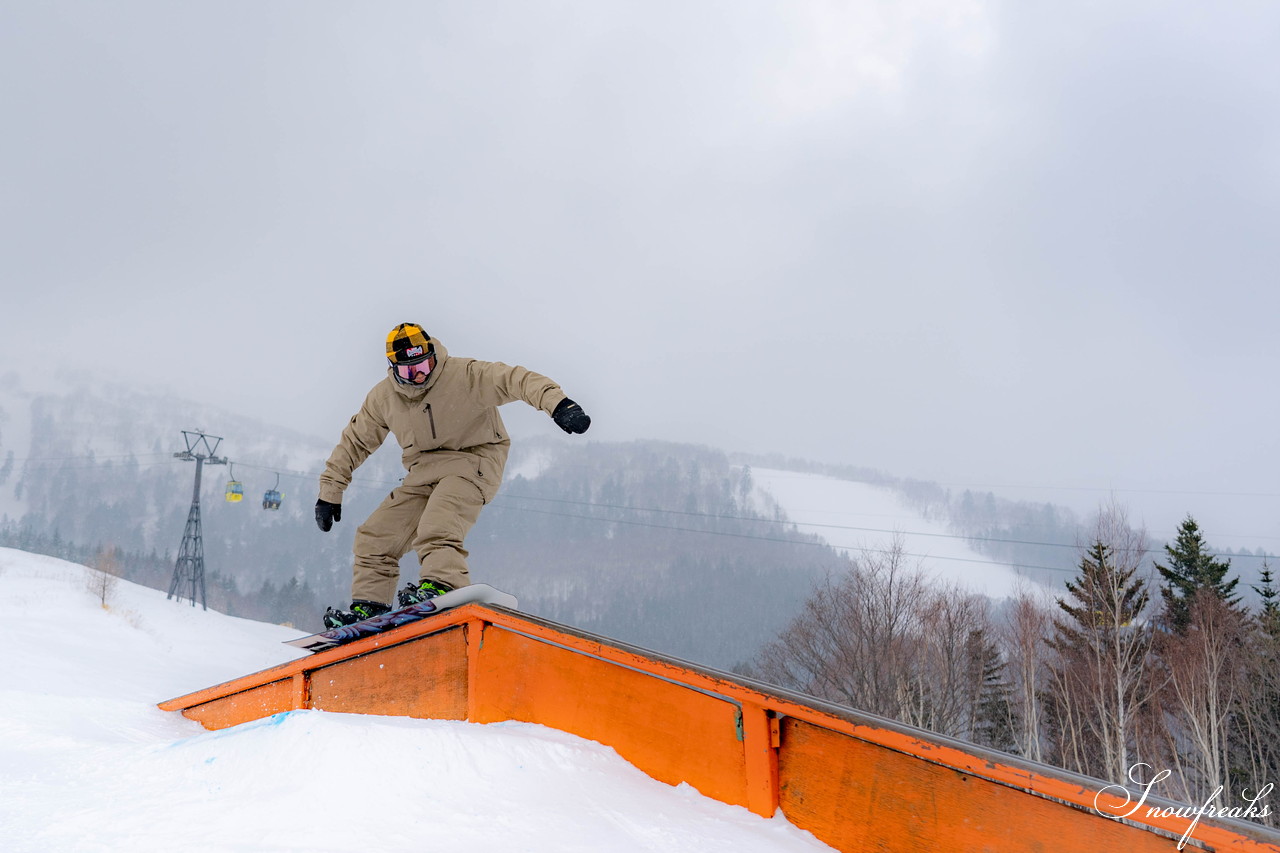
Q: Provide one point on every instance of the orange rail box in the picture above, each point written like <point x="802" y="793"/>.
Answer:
<point x="856" y="781"/>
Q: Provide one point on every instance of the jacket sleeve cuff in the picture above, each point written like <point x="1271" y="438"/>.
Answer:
<point x="331" y="494"/>
<point x="552" y="399"/>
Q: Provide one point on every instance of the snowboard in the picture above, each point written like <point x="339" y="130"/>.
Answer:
<point x="477" y="593"/>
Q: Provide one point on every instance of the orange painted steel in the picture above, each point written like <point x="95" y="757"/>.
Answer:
<point x="407" y="680"/>
<point x="674" y="734"/>
<point x="855" y="781"/>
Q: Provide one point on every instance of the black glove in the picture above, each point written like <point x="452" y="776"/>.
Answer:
<point x="570" y="417"/>
<point x="327" y="514"/>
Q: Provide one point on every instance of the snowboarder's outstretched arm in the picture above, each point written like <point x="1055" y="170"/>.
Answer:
<point x="497" y="383"/>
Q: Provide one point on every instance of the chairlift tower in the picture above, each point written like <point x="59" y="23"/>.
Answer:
<point x="188" y="572"/>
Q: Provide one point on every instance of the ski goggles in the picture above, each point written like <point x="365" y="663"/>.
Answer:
<point x="414" y="374"/>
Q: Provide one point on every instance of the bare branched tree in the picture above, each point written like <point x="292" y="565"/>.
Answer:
<point x="1256" y="733"/>
<point x="943" y="689"/>
<point x="854" y="636"/>
<point x="1027" y="624"/>
<point x="1206" y="668"/>
<point x="881" y="638"/>
<point x="104" y="576"/>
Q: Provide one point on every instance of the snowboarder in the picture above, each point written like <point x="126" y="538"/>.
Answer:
<point x="442" y="410"/>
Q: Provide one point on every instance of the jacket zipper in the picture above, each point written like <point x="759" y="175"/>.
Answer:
<point x="432" y="419"/>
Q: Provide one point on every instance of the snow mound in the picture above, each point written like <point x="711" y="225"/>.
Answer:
<point x="91" y="764"/>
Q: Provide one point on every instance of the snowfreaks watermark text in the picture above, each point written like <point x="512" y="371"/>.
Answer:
<point x="1255" y="809"/>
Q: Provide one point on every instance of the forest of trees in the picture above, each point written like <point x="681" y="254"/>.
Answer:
<point x="1146" y="661"/>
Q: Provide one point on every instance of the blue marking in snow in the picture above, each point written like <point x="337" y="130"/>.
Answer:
<point x="205" y="737"/>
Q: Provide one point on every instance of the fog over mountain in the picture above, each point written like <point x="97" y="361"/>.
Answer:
<point x="1001" y="246"/>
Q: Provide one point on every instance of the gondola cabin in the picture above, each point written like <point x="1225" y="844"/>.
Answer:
<point x="235" y="491"/>
<point x="271" y="498"/>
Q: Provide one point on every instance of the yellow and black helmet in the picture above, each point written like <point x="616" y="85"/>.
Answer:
<point x="408" y="343"/>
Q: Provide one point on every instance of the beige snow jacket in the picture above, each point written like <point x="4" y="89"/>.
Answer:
<point x="448" y="427"/>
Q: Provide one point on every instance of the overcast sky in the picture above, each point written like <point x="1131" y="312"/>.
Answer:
<point x="980" y="243"/>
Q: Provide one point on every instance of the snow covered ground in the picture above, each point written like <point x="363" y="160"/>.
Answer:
<point x="853" y="516"/>
<point x="88" y="763"/>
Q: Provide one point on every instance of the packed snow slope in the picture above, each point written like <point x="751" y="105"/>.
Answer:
<point x="855" y="516"/>
<point x="90" y="764"/>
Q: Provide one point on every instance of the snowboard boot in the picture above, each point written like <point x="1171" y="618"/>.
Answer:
<point x="360" y="609"/>
<point x="416" y="593"/>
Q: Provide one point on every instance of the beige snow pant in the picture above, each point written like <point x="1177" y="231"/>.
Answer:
<point x="433" y="520"/>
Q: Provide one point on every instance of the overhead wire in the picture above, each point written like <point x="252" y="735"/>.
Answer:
<point x="793" y="541"/>
<point x="365" y="482"/>
<point x="797" y="523"/>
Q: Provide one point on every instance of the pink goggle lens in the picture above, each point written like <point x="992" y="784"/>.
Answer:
<point x="415" y="373"/>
